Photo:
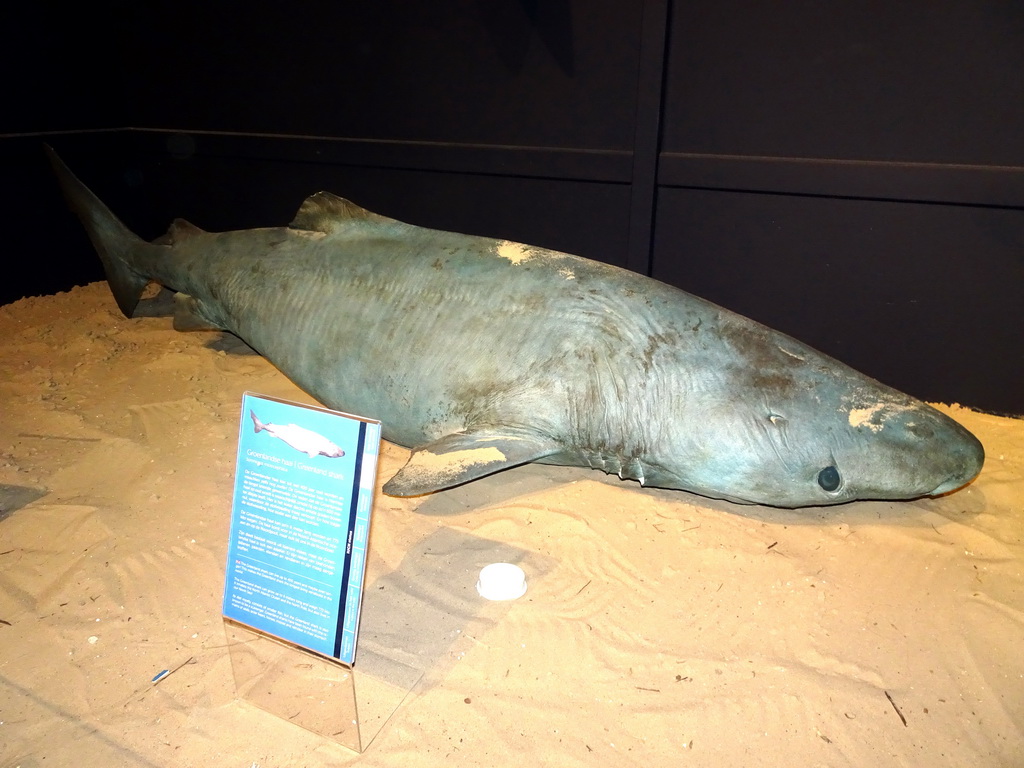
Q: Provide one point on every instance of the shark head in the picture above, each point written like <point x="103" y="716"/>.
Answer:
<point x="795" y="428"/>
<point x="893" y="447"/>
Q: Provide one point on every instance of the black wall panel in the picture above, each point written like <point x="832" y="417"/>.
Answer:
<point x="929" y="82"/>
<point x="57" y="74"/>
<point x="552" y="73"/>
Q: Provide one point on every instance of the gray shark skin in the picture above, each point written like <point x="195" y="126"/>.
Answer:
<point x="482" y="354"/>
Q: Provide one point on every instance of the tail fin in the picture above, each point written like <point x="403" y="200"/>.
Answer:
<point x="257" y="424"/>
<point x="114" y="242"/>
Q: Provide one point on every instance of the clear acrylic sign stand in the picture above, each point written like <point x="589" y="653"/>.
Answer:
<point x="312" y="691"/>
<point x="296" y="562"/>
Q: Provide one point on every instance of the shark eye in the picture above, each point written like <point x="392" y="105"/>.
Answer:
<point x="829" y="479"/>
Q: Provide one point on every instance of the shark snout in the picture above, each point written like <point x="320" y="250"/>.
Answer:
<point x="967" y="456"/>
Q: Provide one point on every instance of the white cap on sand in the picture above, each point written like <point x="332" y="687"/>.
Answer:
<point x="501" y="581"/>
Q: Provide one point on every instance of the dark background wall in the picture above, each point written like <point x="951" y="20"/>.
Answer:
<point x="851" y="173"/>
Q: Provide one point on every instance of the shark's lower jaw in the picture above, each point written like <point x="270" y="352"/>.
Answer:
<point x="948" y="486"/>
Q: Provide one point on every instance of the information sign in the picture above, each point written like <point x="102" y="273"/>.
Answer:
<point x="300" y="522"/>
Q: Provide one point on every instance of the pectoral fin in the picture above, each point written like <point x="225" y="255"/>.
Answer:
<point x="464" y="456"/>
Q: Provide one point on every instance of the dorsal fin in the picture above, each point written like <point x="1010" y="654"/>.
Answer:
<point x="178" y="231"/>
<point x="324" y="212"/>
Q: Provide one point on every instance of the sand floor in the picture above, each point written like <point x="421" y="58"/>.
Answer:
<point x="659" y="628"/>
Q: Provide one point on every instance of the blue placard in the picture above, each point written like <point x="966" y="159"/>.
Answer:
<point x="300" y="521"/>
